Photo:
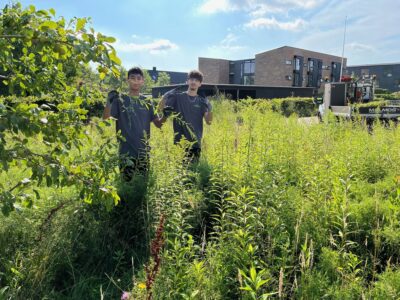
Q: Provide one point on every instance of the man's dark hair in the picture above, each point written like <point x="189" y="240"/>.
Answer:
<point x="135" y="71"/>
<point x="195" y="74"/>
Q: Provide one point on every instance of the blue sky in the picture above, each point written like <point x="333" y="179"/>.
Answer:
<point x="171" y="35"/>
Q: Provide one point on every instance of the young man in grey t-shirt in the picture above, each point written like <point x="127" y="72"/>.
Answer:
<point x="133" y="114"/>
<point x="190" y="110"/>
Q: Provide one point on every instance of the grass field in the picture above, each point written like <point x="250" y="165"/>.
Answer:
<point x="276" y="208"/>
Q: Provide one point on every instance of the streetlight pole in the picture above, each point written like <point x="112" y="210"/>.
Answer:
<point x="344" y="41"/>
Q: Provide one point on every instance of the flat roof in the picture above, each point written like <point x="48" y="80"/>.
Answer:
<point x="232" y="86"/>
<point x="374" y="65"/>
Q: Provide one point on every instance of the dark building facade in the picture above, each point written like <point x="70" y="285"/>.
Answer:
<point x="387" y="75"/>
<point x="176" y="77"/>
<point x="284" y="66"/>
<point x="242" y="71"/>
<point x="239" y="91"/>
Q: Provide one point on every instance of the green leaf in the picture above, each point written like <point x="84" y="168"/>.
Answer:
<point x="253" y="274"/>
<point x="114" y="58"/>
<point x="115" y="71"/>
<point x="109" y="39"/>
<point x="48" y="181"/>
<point x="80" y="23"/>
<point x="194" y="294"/>
<point x="52" y="11"/>
<point x="16" y="272"/>
<point x="261" y="283"/>
<point x="36" y="193"/>
<point x="247" y="288"/>
<point x="48" y="25"/>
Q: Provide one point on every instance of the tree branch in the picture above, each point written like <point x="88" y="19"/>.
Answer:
<point x="11" y="36"/>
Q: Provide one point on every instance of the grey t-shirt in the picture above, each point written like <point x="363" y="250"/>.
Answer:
<point x="189" y="120"/>
<point x="134" y="115"/>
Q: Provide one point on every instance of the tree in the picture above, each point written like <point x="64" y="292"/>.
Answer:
<point x="40" y="57"/>
<point x="148" y="82"/>
<point x="163" y="79"/>
<point x="117" y="83"/>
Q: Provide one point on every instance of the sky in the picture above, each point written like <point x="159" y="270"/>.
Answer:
<point x="172" y="34"/>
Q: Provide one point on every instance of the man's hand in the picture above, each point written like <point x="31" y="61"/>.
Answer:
<point x="167" y="111"/>
<point x="112" y="95"/>
<point x="207" y="105"/>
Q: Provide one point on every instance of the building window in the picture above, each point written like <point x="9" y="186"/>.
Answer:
<point x="247" y="72"/>
<point x="319" y="76"/>
<point x="310" y="65"/>
<point x="387" y="72"/>
<point x="298" y="71"/>
<point x="248" y="79"/>
<point x="335" y="72"/>
<point x="314" y="72"/>
<point x="310" y="72"/>
<point x="249" y="67"/>
<point x="297" y="63"/>
<point x="296" y="80"/>
<point x="231" y="78"/>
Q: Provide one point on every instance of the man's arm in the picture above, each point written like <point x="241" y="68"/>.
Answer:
<point x="167" y="105"/>
<point x="158" y="122"/>
<point x="161" y="105"/>
<point x="107" y="112"/>
<point x="110" y="98"/>
<point x="208" y="115"/>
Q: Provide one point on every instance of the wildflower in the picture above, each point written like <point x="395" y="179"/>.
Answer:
<point x="125" y="296"/>
<point x="142" y="286"/>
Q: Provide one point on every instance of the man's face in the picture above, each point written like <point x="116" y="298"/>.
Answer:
<point x="135" y="81"/>
<point x="193" y="83"/>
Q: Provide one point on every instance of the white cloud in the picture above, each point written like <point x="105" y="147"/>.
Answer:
<point x="229" y="39"/>
<point x="214" y="6"/>
<point x="154" y="47"/>
<point x="372" y="31"/>
<point x="264" y="13"/>
<point x="355" y="46"/>
<point x="227" y="48"/>
<point x="306" y="4"/>
<point x="227" y="44"/>
<point x="272" y="23"/>
<point x="263" y="8"/>
<point x="256" y="7"/>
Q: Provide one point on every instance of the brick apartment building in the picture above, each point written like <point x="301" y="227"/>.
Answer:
<point x="285" y="66"/>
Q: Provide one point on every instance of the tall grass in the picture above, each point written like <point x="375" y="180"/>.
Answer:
<point x="275" y="208"/>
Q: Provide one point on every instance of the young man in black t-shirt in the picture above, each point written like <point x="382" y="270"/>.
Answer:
<point x="190" y="110"/>
<point x="133" y="114"/>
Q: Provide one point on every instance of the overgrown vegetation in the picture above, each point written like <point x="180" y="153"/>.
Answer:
<point x="274" y="209"/>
